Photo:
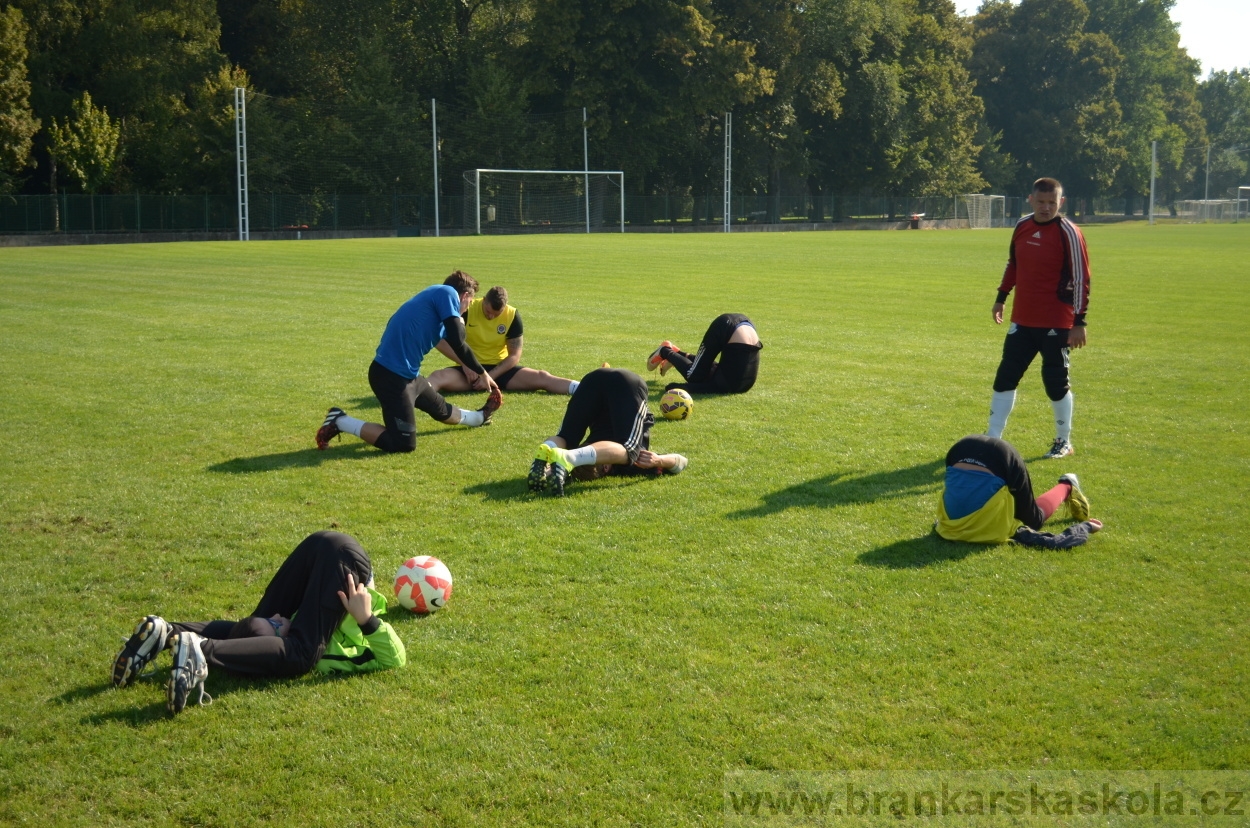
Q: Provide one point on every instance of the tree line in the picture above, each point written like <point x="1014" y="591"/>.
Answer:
<point x="839" y="96"/>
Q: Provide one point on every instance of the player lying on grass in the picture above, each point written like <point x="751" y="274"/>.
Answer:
<point x="988" y="498"/>
<point x="733" y="338"/>
<point x="320" y="612"/>
<point x="495" y="335"/>
<point x="611" y="405"/>
<point x="395" y="373"/>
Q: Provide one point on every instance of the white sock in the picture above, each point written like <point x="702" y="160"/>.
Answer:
<point x="573" y="386"/>
<point x="471" y="418"/>
<point x="550" y="443"/>
<point x="1063" y="416"/>
<point x="1001" y="403"/>
<point x="584" y="456"/>
<point x="350" y="425"/>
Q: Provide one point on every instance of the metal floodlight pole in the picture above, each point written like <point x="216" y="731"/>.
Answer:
<point x="1206" y="190"/>
<point x="1154" y="148"/>
<point x="586" y="166"/>
<point x="434" y="132"/>
<point x="240" y="155"/>
<point x="728" y="185"/>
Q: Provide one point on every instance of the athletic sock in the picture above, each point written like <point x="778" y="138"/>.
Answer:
<point x="584" y="456"/>
<point x="1051" y="501"/>
<point x="1001" y="403"/>
<point x="573" y="386"/>
<point x="471" y="418"/>
<point x="349" y="425"/>
<point x="1063" y="416"/>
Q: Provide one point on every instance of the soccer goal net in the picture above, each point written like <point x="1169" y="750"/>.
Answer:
<point x="983" y="211"/>
<point x="521" y="201"/>
<point x="1213" y="209"/>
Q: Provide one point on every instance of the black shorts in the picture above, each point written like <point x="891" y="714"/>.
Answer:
<point x="1021" y="345"/>
<point x="739" y="363"/>
<point x="502" y="380"/>
<point x="1002" y="460"/>
<point x="401" y="398"/>
<point x="610" y="404"/>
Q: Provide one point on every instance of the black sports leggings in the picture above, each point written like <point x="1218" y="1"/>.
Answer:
<point x="304" y="589"/>
<point x="738" y="367"/>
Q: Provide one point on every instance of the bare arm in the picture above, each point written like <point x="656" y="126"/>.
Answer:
<point x="443" y="348"/>
<point x="473" y="370"/>
<point x="513" y="359"/>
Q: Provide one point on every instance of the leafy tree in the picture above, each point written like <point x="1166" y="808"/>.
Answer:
<point x="148" y="62"/>
<point x="897" y="112"/>
<point x="1049" y="89"/>
<point x="1225" y="100"/>
<point x="87" y="145"/>
<point x="938" y="151"/>
<point x="17" y="122"/>
<point x="648" y="71"/>
<point x="1156" y="88"/>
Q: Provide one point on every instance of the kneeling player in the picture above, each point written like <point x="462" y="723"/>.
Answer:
<point x="733" y="338"/>
<point x="320" y="612"/>
<point x="988" y="498"/>
<point x="432" y="316"/>
<point x="611" y="405"/>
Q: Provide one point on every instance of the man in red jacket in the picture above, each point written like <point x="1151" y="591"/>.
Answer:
<point x="1048" y="267"/>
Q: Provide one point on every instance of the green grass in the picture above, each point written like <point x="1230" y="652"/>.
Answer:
<point x="608" y="657"/>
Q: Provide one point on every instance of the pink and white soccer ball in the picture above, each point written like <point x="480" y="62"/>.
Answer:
<point x="423" y="584"/>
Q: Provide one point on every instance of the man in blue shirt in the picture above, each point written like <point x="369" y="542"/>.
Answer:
<point x="395" y="375"/>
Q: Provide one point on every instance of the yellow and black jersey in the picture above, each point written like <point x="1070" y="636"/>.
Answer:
<point x="488" y="338"/>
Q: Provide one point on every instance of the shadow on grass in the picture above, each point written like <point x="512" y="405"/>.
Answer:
<point x="842" y="488"/>
<point x="917" y="553"/>
<point x="517" y="488"/>
<point x="512" y="488"/>
<point x="219" y="685"/>
<point x="307" y="458"/>
<point x="144" y="715"/>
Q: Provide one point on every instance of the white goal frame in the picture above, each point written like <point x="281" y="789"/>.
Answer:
<point x="1209" y="209"/>
<point x="1243" y="195"/>
<point x="981" y="210"/>
<point x="477" y="188"/>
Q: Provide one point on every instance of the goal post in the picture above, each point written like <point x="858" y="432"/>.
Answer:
<point x="983" y="211"/>
<point x="519" y="201"/>
<point x="1243" y="202"/>
<point x="1209" y="209"/>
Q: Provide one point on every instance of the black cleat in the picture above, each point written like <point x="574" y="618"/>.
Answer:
<point x="537" y="479"/>
<point x="493" y="403"/>
<point x="557" y="475"/>
<point x="329" y="430"/>
<point x="148" y="639"/>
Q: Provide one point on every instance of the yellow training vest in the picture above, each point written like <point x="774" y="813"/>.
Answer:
<point x="488" y="338"/>
<point x="994" y="522"/>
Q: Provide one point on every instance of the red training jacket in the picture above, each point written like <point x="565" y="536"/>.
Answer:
<point x="1048" y="266"/>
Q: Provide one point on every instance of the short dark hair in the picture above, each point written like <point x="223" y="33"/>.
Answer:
<point x="1047" y="185"/>
<point x="497" y="297"/>
<point x="461" y="281"/>
<point x="591" y="472"/>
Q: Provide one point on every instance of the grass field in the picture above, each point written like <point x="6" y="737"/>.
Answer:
<point x="608" y="657"/>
